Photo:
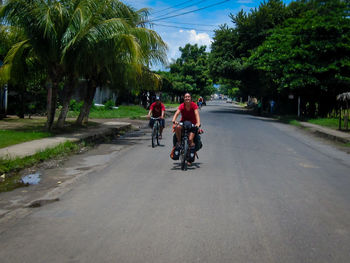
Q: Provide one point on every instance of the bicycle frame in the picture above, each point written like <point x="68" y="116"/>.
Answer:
<point x="155" y="131"/>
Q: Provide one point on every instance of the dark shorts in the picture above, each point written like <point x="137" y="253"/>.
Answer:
<point x="161" y="121"/>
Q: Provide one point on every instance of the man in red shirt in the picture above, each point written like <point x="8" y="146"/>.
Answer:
<point x="189" y="112"/>
<point x="157" y="110"/>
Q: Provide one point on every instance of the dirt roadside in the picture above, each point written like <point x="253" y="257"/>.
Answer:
<point x="58" y="176"/>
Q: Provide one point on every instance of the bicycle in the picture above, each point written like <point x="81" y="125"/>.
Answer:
<point x="155" y="131"/>
<point x="185" y="149"/>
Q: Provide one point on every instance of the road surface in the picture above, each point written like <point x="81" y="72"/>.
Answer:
<point x="261" y="192"/>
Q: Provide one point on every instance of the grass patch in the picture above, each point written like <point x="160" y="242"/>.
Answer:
<point x="171" y="105"/>
<point x="11" y="137"/>
<point x="326" y="122"/>
<point x="9" y="167"/>
<point x="26" y="124"/>
<point x="122" y="112"/>
<point x="289" y="119"/>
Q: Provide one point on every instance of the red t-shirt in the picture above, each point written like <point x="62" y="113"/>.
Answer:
<point x="188" y="115"/>
<point x="157" y="109"/>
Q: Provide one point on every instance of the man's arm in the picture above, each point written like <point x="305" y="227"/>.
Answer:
<point x="176" y="115"/>
<point x="149" y="113"/>
<point x="163" y="111"/>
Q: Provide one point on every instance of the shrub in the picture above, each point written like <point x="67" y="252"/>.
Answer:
<point x="109" y="105"/>
<point x="75" y="106"/>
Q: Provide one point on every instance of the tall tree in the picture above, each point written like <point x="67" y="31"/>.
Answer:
<point x="43" y="24"/>
<point x="190" y="72"/>
<point x="310" y="55"/>
<point x="232" y="45"/>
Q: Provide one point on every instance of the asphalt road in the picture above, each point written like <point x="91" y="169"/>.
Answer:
<point x="261" y="192"/>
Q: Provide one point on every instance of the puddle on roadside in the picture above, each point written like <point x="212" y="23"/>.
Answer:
<point x="31" y="179"/>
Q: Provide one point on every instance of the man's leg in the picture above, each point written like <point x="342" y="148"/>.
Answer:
<point x="151" y="123"/>
<point x="191" y="138"/>
<point x="178" y="130"/>
<point x="162" y="125"/>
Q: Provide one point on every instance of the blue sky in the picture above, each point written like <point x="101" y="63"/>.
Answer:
<point x="196" y="27"/>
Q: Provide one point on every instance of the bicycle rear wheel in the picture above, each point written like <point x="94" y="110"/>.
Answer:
<point x="184" y="156"/>
<point x="154" y="135"/>
<point x="157" y="134"/>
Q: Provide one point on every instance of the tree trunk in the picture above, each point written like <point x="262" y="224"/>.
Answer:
<point x="51" y="104"/>
<point x="67" y="94"/>
<point x="22" y="105"/>
<point x="52" y="93"/>
<point x="89" y="97"/>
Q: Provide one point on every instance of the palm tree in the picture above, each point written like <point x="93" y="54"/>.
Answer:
<point x="112" y="42"/>
<point x="43" y="24"/>
<point x="81" y="38"/>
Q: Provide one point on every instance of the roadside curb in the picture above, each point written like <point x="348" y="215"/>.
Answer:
<point x="32" y="147"/>
<point x="318" y="130"/>
<point x="326" y="132"/>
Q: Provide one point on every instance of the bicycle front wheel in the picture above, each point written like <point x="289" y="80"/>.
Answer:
<point x="184" y="156"/>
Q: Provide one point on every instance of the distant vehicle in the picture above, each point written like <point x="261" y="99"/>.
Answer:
<point x="229" y="100"/>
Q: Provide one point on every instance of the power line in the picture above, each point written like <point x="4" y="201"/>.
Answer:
<point x="189" y="28"/>
<point x="191" y="24"/>
<point x="196" y="3"/>
<point x="173" y="6"/>
<point x="170" y="22"/>
<point x="192" y="11"/>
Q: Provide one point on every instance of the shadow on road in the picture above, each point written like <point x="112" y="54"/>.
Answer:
<point x="177" y="166"/>
<point x="231" y="111"/>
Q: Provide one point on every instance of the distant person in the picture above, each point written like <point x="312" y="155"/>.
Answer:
<point x="200" y="102"/>
<point x="157" y="110"/>
<point x="272" y="105"/>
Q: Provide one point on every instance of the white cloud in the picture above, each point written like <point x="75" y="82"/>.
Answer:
<point x="200" y="38"/>
<point x="182" y="37"/>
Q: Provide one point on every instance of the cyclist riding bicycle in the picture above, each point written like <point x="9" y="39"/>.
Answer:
<point x="189" y="112"/>
<point x="157" y="110"/>
<point x="200" y="102"/>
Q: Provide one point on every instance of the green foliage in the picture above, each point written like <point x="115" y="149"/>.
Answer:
<point x="75" y="106"/>
<point x="309" y="55"/>
<point x="327" y="122"/>
<point x="121" y="112"/>
<point x="109" y="105"/>
<point x="190" y="72"/>
<point x="276" y="50"/>
<point x="10" y="137"/>
<point x="104" y="41"/>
